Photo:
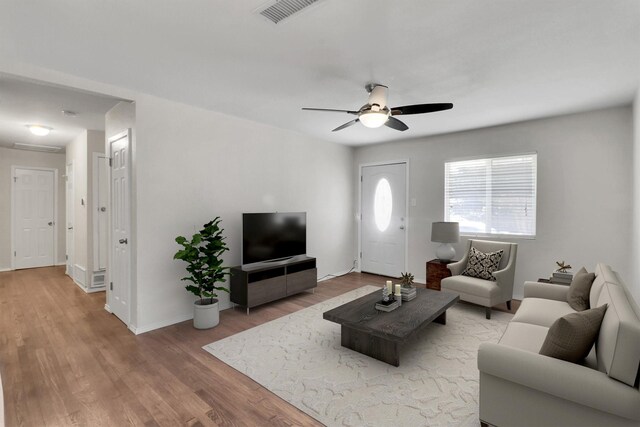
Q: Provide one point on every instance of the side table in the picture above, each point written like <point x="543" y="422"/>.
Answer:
<point x="436" y="271"/>
<point x="553" y="281"/>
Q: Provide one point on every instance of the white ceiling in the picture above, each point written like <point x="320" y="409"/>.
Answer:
<point x="24" y="102"/>
<point x="498" y="61"/>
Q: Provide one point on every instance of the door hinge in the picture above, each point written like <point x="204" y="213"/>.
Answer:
<point x="360" y="254"/>
<point x="15" y="179"/>
<point x="360" y="178"/>
<point x="66" y="257"/>
<point x="15" y="253"/>
<point x="110" y="286"/>
<point x="110" y="162"/>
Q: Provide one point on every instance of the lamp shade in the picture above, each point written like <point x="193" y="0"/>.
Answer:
<point x="445" y="232"/>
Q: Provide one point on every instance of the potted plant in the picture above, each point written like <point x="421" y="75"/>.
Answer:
<point x="204" y="264"/>
<point x="406" y="279"/>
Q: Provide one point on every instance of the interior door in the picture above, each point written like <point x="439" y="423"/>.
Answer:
<point x="33" y="218"/>
<point x="120" y="276"/>
<point x="69" y="197"/>
<point x="384" y="215"/>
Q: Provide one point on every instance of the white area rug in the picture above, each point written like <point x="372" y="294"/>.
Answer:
<point x="299" y="358"/>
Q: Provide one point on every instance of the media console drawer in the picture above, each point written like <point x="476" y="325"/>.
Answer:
<point x="266" y="291"/>
<point x="301" y="281"/>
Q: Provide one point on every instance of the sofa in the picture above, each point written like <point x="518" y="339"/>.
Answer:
<point x="520" y="387"/>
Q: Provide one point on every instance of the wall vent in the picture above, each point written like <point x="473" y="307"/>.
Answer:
<point x="34" y="147"/>
<point x="283" y="9"/>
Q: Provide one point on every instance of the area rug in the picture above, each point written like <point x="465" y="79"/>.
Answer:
<point x="299" y="358"/>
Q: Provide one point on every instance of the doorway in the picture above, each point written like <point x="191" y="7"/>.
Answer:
<point x="383" y="229"/>
<point x="33" y="216"/>
<point x="69" y="195"/>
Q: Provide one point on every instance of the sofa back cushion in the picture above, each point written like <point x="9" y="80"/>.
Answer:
<point x="618" y="343"/>
<point x="604" y="274"/>
<point x="487" y="246"/>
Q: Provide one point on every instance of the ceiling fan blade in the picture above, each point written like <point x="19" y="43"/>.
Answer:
<point x="331" y="110"/>
<point x="346" y="125"/>
<point x="396" y="124"/>
<point x="420" y="108"/>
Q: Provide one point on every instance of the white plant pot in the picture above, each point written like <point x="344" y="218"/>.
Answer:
<point x="205" y="316"/>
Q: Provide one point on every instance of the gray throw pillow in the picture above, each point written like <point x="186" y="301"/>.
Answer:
<point x="481" y="265"/>
<point x="579" y="290"/>
<point x="571" y="337"/>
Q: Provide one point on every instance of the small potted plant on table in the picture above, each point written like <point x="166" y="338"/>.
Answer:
<point x="204" y="264"/>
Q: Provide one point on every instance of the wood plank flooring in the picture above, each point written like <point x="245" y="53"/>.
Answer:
<point x="65" y="361"/>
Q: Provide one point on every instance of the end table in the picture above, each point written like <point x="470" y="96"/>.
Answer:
<point x="436" y="271"/>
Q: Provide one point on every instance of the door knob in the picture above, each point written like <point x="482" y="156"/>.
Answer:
<point x="69" y="228"/>
<point x="402" y="227"/>
<point x="50" y="223"/>
<point x="123" y="241"/>
<point x="103" y="209"/>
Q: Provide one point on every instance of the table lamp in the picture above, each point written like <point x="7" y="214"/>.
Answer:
<point x="445" y="233"/>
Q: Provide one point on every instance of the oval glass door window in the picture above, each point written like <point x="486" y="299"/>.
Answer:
<point x="382" y="204"/>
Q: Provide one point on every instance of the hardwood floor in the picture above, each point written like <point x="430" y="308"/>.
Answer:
<point x="65" y="361"/>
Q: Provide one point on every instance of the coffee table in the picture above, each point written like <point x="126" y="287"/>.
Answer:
<point x="379" y="334"/>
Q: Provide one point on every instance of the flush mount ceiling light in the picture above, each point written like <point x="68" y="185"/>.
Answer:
<point x="39" y="130"/>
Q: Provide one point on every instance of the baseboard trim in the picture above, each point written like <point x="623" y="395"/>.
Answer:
<point x="162" y="324"/>
<point x="94" y="290"/>
<point x="107" y="308"/>
<point x="60" y="264"/>
<point x="5" y="269"/>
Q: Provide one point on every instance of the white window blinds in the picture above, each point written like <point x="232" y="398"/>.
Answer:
<point x="492" y="196"/>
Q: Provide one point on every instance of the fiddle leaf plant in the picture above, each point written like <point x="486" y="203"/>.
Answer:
<point x="204" y="263"/>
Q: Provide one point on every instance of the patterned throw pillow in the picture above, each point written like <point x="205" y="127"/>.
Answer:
<point x="481" y="265"/>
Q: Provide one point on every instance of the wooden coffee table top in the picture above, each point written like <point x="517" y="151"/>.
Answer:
<point x="397" y="325"/>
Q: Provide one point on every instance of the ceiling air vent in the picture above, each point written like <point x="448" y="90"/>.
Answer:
<point x="33" y="147"/>
<point x="284" y="8"/>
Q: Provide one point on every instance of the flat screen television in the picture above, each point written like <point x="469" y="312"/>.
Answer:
<point x="273" y="236"/>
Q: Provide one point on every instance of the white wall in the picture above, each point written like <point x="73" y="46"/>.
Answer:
<point x="633" y="281"/>
<point x="584" y="188"/>
<point x="193" y="165"/>
<point x="10" y="157"/>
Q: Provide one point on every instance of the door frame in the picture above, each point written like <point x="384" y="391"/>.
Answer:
<point x="110" y="140"/>
<point x="96" y="158"/>
<point x="359" y="215"/>
<point x="69" y="262"/>
<point x="55" y="211"/>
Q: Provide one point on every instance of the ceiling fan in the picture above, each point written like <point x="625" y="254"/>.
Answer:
<point x="376" y="113"/>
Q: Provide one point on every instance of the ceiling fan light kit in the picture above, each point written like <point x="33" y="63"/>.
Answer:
<point x="376" y="113"/>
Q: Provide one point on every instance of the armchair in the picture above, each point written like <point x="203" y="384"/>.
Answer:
<point x="487" y="293"/>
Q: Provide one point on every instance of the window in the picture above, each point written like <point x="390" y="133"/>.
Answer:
<point x="492" y="196"/>
<point x="382" y="204"/>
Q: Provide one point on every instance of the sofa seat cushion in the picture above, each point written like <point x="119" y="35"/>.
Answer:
<point x="541" y="312"/>
<point x="471" y="285"/>
<point x="524" y="336"/>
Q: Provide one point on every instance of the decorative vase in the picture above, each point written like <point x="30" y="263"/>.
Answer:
<point x="205" y="315"/>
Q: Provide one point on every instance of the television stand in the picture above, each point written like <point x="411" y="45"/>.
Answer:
<point x="262" y="282"/>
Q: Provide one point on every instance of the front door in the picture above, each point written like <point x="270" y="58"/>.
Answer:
<point x="33" y="220"/>
<point x="384" y="219"/>
<point x="120" y="275"/>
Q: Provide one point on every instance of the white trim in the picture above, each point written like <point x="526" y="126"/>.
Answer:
<point x="489" y="156"/>
<point x="160" y="324"/>
<point x="91" y="291"/>
<point x="5" y="269"/>
<point x="107" y="308"/>
<point x="55" y="211"/>
<point x="60" y="264"/>
<point x="96" y="156"/>
<point x="359" y="214"/>
<point x="80" y="275"/>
